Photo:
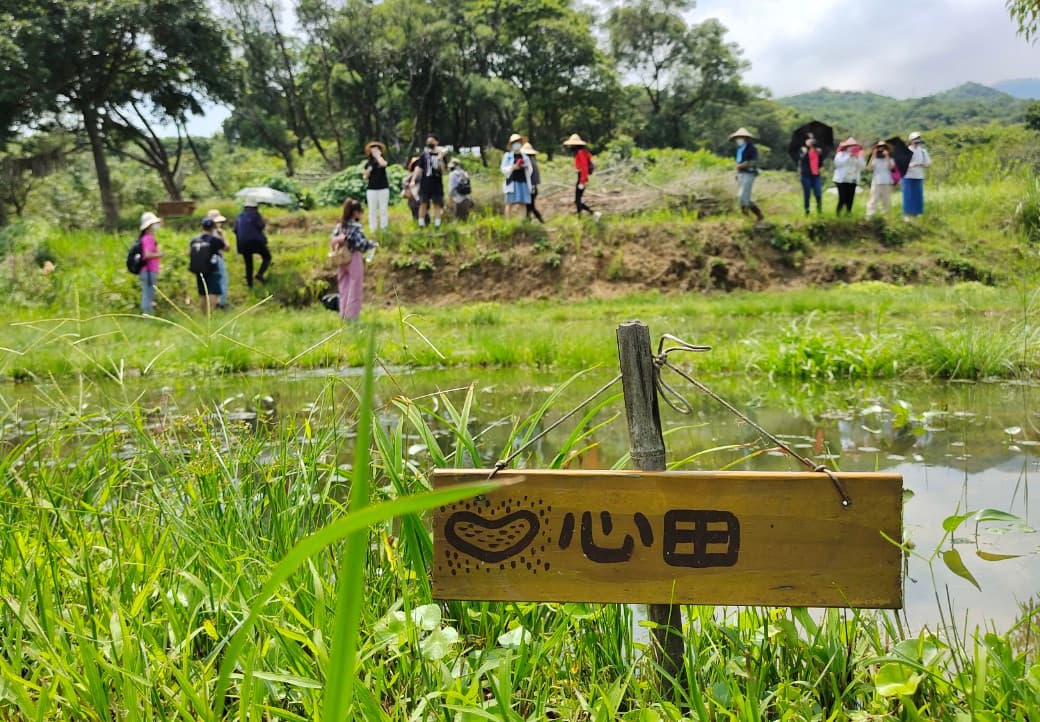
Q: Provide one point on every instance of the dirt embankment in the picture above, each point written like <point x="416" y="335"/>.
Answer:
<point x="610" y="259"/>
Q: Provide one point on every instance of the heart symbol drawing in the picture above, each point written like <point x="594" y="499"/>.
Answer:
<point x="491" y="540"/>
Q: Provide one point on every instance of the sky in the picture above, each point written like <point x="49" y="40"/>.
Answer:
<point x="902" y="48"/>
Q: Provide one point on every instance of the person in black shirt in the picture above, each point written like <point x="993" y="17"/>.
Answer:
<point x="429" y="172"/>
<point x="250" y="239"/>
<point x="378" y="186"/>
<point x="203" y="253"/>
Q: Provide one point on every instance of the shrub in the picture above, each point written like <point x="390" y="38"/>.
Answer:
<point x="350" y="183"/>
<point x="1028" y="213"/>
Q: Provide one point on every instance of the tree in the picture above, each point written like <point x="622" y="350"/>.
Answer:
<point x="1032" y="118"/>
<point x="93" y="59"/>
<point x="689" y="73"/>
<point x="1026" y="14"/>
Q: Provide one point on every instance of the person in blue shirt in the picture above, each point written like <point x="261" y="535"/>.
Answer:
<point x="747" y="170"/>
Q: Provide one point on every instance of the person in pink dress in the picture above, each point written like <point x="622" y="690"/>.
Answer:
<point x="350" y="244"/>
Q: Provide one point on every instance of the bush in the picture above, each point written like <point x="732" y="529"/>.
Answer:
<point x="1028" y="213"/>
<point x="350" y="183"/>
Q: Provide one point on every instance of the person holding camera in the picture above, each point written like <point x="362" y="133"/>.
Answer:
<point x="429" y="173"/>
<point x="810" y="164"/>
<point x="517" y="170"/>
<point x="378" y="194"/>
<point x="881" y="166"/>
<point x="848" y="165"/>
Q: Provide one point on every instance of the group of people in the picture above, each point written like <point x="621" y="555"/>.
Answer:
<point x="522" y="177"/>
<point x="850" y="161"/>
<point x="206" y="255"/>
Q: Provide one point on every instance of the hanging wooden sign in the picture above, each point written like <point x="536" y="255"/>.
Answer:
<point x="732" y="538"/>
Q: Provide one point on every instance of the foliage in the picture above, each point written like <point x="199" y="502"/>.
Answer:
<point x="1026" y="15"/>
<point x="350" y="183"/>
<point x="1032" y="115"/>
<point x="1027" y="213"/>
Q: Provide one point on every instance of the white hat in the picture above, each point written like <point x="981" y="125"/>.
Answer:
<point x="741" y="133"/>
<point x="914" y="136"/>
<point x="216" y="216"/>
<point x="149" y="219"/>
<point x="249" y="203"/>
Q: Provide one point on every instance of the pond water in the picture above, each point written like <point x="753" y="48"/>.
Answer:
<point x="960" y="447"/>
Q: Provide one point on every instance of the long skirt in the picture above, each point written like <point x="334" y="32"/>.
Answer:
<point x="913" y="196"/>
<point x="351" y="278"/>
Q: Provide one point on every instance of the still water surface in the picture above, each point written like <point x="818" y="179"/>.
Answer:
<point x="960" y="447"/>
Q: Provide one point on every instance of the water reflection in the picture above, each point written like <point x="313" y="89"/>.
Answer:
<point x="959" y="447"/>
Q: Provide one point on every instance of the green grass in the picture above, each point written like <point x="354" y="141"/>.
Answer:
<point x="867" y="330"/>
<point x="158" y="566"/>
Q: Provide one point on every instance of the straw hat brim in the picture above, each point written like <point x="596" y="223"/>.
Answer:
<point x="374" y="144"/>
<point x="849" y="143"/>
<point x="528" y="149"/>
<point x="574" y="140"/>
<point x="741" y="133"/>
<point x="216" y="216"/>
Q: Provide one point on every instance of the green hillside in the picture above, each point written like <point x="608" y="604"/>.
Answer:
<point x="871" y="115"/>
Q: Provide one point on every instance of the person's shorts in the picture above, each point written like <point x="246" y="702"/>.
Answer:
<point x="431" y="192"/>
<point x="208" y="283"/>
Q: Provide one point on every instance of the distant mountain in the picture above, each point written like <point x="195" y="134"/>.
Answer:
<point x="1027" y="88"/>
<point x="872" y="115"/>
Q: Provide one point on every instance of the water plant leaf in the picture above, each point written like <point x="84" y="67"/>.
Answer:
<point x="896" y="680"/>
<point x="951" y="523"/>
<point x="514" y="638"/>
<point x="439" y="643"/>
<point x="953" y="561"/>
<point x="991" y="557"/>
<point x="996" y="515"/>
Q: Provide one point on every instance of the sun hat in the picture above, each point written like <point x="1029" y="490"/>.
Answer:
<point x="249" y="203"/>
<point x="149" y="219"/>
<point x="741" y="133"/>
<point x="374" y="144"/>
<point x="914" y="136"/>
<point x="575" y="139"/>
<point x="848" y="143"/>
<point x="216" y="216"/>
<point x="515" y="137"/>
<point x="528" y="149"/>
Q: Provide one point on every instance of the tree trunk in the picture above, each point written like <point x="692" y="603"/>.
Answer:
<point x="202" y="164"/>
<point x="104" y="177"/>
<point x="169" y="182"/>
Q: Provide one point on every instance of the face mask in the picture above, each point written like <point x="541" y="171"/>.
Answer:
<point x="516" y="147"/>
<point x="741" y="142"/>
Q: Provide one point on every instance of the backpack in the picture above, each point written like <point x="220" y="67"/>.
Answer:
<point x="592" y="166"/>
<point x="135" y="258"/>
<point x="464" y="188"/>
<point x="200" y="258"/>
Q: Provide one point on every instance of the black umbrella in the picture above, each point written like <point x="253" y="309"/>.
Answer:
<point x="901" y="154"/>
<point x="821" y="132"/>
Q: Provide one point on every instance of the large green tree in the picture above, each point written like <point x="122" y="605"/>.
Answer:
<point x="689" y="73"/>
<point x="93" y="59"/>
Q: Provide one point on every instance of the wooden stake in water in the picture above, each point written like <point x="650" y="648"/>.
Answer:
<point x="646" y="442"/>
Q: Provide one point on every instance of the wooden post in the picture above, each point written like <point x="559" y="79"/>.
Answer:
<point x="646" y="442"/>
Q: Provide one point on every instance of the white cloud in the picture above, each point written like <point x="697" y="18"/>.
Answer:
<point x="892" y="47"/>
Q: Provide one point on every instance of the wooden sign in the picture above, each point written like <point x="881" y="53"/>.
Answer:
<point x="732" y="538"/>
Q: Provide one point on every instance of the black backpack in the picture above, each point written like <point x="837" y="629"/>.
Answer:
<point x="464" y="188"/>
<point x="135" y="258"/>
<point x="200" y="258"/>
<point x="592" y="166"/>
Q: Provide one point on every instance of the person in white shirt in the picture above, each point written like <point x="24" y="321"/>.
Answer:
<point x="913" y="181"/>
<point x="881" y="165"/>
<point x="848" y="165"/>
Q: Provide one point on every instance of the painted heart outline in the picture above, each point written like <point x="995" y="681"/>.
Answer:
<point x="460" y="518"/>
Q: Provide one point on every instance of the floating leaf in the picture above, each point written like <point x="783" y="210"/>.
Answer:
<point x="991" y="557"/>
<point x="896" y="680"/>
<point x="955" y="564"/>
<point x="996" y="515"/>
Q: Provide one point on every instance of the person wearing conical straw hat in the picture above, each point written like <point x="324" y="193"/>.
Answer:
<point x="583" y="164"/>
<point x="218" y="232"/>
<point x="150" y="255"/>
<point x="517" y="170"/>
<point x="378" y="194"/>
<point x="848" y="165"/>
<point x="536" y="180"/>
<point x="747" y="170"/>
<point x="881" y="166"/>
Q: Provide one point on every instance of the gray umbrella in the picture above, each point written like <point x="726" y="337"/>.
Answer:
<point x="263" y="194"/>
